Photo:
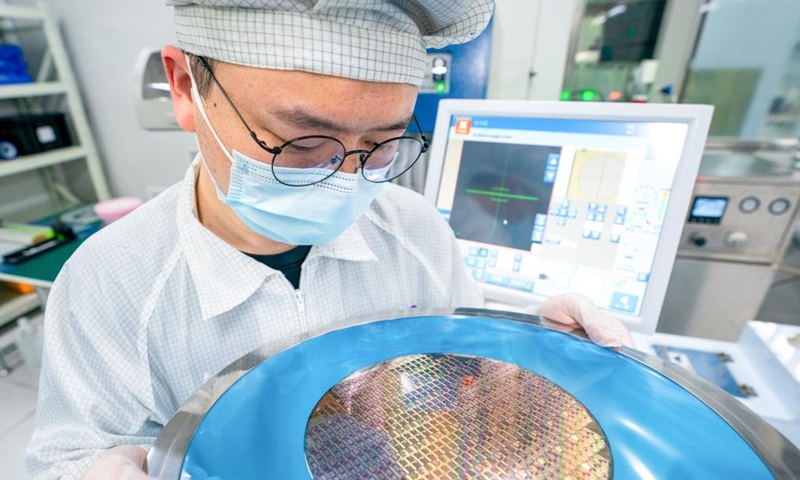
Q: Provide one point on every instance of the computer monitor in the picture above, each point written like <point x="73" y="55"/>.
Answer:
<point x="555" y="197"/>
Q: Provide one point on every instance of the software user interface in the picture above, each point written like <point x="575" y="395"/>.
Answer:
<point x="548" y="206"/>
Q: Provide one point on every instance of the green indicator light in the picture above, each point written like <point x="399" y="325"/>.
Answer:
<point x="588" y="95"/>
<point x="565" y="95"/>
<point x="440" y="87"/>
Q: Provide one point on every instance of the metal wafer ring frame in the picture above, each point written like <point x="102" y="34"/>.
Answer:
<point x="464" y="393"/>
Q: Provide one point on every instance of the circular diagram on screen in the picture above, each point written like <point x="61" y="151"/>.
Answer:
<point x="597" y="176"/>
<point x="452" y="416"/>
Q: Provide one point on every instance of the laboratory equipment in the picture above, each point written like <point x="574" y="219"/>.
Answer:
<point x="614" y="50"/>
<point x="152" y="100"/>
<point x="738" y="229"/>
<point x="463" y="394"/>
<point x="550" y="197"/>
<point x="456" y="71"/>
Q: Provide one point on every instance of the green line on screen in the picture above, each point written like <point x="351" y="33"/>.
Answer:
<point x="502" y="195"/>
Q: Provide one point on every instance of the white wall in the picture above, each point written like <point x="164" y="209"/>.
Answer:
<point x="104" y="39"/>
<point x="751" y="34"/>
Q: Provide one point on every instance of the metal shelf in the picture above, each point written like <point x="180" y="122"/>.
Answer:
<point x="55" y="64"/>
<point x="40" y="160"/>
<point x="21" y="13"/>
<point x="32" y="90"/>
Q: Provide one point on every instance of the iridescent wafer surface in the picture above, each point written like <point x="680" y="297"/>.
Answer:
<point x="452" y="417"/>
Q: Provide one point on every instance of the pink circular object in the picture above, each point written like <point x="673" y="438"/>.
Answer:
<point x="116" y="208"/>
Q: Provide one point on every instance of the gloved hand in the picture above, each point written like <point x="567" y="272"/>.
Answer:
<point x="119" y="463"/>
<point x="576" y="311"/>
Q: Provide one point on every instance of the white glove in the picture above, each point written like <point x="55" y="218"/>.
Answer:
<point x="576" y="311"/>
<point x="119" y="463"/>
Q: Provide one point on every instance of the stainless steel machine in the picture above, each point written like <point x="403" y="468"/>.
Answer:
<point x="737" y="231"/>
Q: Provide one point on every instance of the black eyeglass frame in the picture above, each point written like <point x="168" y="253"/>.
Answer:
<point x="364" y="155"/>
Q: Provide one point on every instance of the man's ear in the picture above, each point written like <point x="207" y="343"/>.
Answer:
<point x="180" y="86"/>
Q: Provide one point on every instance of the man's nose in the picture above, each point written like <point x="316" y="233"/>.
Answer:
<point x="353" y="161"/>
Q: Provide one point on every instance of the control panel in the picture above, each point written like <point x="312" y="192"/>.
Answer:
<point x="745" y="221"/>
<point x="437" y="73"/>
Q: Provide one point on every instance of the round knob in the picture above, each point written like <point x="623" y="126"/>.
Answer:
<point x="698" y="240"/>
<point x="736" y="239"/>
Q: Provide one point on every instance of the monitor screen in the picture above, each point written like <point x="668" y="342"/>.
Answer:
<point x="548" y="206"/>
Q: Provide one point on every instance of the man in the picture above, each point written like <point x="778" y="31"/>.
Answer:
<point x="300" y="109"/>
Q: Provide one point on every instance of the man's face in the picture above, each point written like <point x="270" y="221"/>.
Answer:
<point x="282" y="105"/>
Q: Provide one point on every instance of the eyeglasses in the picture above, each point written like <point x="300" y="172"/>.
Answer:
<point x="321" y="156"/>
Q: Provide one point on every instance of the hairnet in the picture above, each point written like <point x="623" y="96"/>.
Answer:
<point x="371" y="40"/>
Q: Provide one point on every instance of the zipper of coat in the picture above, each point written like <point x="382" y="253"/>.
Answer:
<point x="301" y="310"/>
<point x="300" y="304"/>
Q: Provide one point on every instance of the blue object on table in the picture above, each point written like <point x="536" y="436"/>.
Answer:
<point x="656" y="428"/>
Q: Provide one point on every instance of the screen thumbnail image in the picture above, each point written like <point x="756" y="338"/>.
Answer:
<point x="596" y="176"/>
<point x="499" y="190"/>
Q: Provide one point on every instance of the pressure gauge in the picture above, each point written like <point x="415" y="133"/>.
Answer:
<point x="779" y="206"/>
<point x="749" y="205"/>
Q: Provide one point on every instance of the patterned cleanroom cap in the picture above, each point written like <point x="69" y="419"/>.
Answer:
<point x="371" y="40"/>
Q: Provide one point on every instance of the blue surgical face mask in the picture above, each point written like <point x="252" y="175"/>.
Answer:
<point x="309" y="215"/>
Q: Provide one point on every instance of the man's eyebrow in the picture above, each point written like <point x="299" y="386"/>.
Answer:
<point x="307" y="121"/>
<point x="392" y="127"/>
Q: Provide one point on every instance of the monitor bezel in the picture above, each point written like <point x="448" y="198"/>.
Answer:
<point x="698" y="119"/>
